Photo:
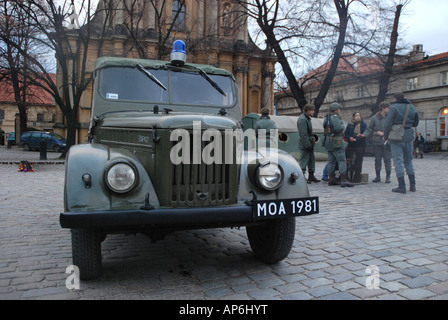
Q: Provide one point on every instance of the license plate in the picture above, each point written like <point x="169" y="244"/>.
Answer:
<point x="265" y="209"/>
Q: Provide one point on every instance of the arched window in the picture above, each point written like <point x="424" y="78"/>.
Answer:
<point x="443" y="123"/>
<point x="178" y="13"/>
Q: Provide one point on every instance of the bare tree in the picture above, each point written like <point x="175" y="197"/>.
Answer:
<point x="165" y="24"/>
<point x="381" y="46"/>
<point x="288" y="23"/>
<point x="388" y="67"/>
<point x="266" y="15"/>
<point x="70" y="45"/>
<point x="342" y="8"/>
<point x="302" y="33"/>
<point x="14" y="25"/>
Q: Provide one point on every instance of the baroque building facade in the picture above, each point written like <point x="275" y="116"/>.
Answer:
<point x="215" y="32"/>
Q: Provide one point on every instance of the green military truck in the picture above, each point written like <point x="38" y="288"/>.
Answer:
<point x="146" y="169"/>
<point x="288" y="136"/>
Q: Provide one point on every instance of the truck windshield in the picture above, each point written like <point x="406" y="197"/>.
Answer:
<point x="184" y="87"/>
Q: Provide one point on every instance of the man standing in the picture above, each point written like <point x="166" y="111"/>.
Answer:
<point x="419" y="145"/>
<point x="402" y="150"/>
<point x="306" y="142"/>
<point x="375" y="132"/>
<point x="335" y="146"/>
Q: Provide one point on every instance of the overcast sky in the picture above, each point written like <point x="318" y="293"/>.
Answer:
<point x="426" y="22"/>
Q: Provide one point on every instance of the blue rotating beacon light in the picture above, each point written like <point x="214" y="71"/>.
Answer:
<point x="178" y="54"/>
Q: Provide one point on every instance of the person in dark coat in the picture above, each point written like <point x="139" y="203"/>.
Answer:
<point x="354" y="133"/>
<point x="374" y="133"/>
<point x="306" y="142"/>
<point x="402" y="150"/>
<point x="419" y="145"/>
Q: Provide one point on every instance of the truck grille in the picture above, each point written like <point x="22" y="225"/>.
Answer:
<point x="204" y="184"/>
<point x="182" y="185"/>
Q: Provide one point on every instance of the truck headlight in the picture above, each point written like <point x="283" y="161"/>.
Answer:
<point x="268" y="176"/>
<point x="120" y="176"/>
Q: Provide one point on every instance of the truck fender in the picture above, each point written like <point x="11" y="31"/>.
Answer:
<point x="93" y="159"/>
<point x="287" y="189"/>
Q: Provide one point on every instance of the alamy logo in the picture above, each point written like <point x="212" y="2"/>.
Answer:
<point x="72" y="281"/>
<point x="373" y="18"/>
<point x="74" y="22"/>
<point x="212" y="146"/>
<point x="373" y="281"/>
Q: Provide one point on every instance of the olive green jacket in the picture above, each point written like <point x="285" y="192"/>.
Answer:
<point x="376" y="124"/>
<point x="305" y="131"/>
<point x="333" y="129"/>
<point x="265" y="123"/>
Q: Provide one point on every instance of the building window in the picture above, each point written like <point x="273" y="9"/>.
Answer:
<point x="444" y="78"/>
<point x="40" y="117"/>
<point x="339" y="96"/>
<point x="443" y="121"/>
<point x="178" y="14"/>
<point x="412" y="83"/>
<point x="360" y="91"/>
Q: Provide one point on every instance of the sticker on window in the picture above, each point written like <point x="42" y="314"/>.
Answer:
<point x="112" y="95"/>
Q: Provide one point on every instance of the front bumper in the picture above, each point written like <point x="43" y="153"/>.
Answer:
<point x="167" y="217"/>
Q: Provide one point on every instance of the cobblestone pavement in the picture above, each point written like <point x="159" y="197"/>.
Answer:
<point x="403" y="236"/>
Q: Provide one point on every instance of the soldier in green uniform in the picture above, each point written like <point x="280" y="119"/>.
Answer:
<point x="265" y="123"/>
<point x="402" y="150"/>
<point x="306" y="142"/>
<point x="335" y="146"/>
<point x="375" y="132"/>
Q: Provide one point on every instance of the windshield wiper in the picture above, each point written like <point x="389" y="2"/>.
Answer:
<point x="206" y="77"/>
<point x="151" y="76"/>
<point x="210" y="80"/>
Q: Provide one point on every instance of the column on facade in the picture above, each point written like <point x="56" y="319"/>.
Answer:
<point x="211" y="22"/>
<point x="268" y="75"/>
<point x="254" y="86"/>
<point x="240" y="70"/>
<point x="201" y="18"/>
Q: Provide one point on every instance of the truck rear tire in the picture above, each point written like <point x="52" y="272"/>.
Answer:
<point x="272" y="241"/>
<point x="86" y="252"/>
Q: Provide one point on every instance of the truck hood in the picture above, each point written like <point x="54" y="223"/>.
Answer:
<point x="174" y="120"/>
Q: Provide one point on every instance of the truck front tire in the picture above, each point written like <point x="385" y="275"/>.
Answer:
<point x="272" y="241"/>
<point x="86" y="252"/>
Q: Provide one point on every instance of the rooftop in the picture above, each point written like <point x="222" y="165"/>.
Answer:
<point x="34" y="95"/>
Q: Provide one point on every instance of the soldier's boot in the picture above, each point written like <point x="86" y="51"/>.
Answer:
<point x="412" y="183"/>
<point x="378" y="176"/>
<point x="401" y="186"/>
<point x="332" y="180"/>
<point x="312" y="178"/>
<point x="387" y="177"/>
<point x="345" y="182"/>
<point x="307" y="180"/>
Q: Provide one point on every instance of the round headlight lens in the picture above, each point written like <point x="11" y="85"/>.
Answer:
<point x="121" y="177"/>
<point x="269" y="176"/>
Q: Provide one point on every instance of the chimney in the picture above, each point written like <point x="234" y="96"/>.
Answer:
<point x="416" y="53"/>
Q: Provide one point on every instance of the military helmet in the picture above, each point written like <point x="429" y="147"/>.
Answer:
<point x="335" y="106"/>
